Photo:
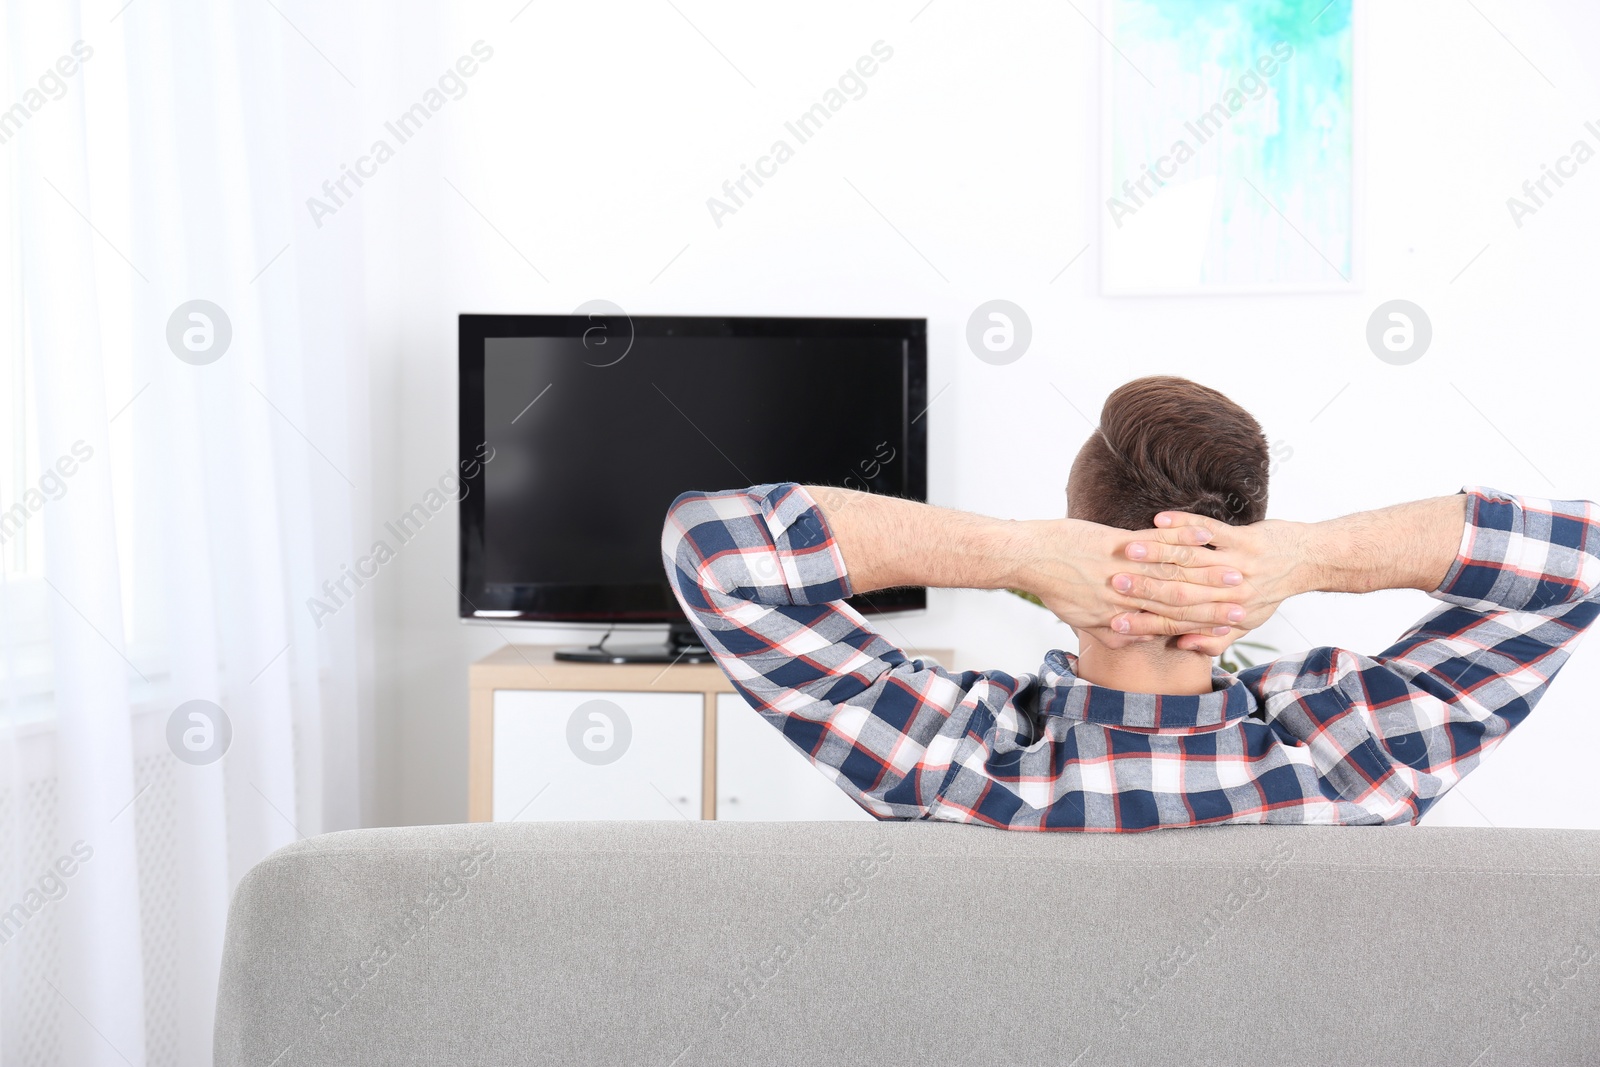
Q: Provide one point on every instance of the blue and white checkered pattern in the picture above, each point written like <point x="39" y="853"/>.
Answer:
<point x="1326" y="736"/>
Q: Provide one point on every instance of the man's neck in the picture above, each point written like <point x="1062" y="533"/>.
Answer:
<point x="1135" y="670"/>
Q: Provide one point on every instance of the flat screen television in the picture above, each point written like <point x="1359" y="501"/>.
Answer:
<point x="578" y="431"/>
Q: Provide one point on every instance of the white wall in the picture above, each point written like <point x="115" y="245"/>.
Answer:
<point x="592" y="139"/>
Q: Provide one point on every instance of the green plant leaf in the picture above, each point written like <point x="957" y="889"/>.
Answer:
<point x="1029" y="597"/>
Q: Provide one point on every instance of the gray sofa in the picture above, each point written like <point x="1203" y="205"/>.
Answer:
<point x="682" y="944"/>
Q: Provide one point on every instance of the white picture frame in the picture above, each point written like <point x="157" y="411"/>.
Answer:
<point x="1170" y="250"/>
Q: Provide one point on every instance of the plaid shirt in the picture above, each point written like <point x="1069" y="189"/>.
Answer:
<point x="1325" y="736"/>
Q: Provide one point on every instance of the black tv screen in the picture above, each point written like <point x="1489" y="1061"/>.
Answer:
<point x="578" y="431"/>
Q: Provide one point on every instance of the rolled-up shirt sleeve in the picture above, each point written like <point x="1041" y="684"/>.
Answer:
<point x="761" y="578"/>
<point x="1525" y="554"/>
<point x="1523" y="588"/>
<point x="767" y="545"/>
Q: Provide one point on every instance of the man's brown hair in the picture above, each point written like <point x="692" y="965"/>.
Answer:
<point x="1169" y="444"/>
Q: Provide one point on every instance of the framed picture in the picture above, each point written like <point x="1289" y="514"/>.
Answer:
<point x="1229" y="156"/>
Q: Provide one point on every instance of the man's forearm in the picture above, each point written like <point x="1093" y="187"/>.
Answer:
<point x="1408" y="546"/>
<point x="888" y="542"/>
<point x="1068" y="564"/>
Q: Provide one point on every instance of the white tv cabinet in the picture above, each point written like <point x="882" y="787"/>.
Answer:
<point x="551" y="739"/>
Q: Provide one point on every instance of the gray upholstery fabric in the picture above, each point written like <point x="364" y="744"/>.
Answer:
<point x="622" y="943"/>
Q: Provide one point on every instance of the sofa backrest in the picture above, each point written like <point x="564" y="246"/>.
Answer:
<point x="681" y="944"/>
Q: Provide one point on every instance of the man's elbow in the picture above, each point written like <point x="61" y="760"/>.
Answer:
<point x="673" y="529"/>
<point x="684" y="503"/>
<point x="680" y="555"/>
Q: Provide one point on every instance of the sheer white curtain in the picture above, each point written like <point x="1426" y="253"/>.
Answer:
<point x="166" y="511"/>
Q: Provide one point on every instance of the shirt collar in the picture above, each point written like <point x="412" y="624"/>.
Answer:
<point x="1064" y="693"/>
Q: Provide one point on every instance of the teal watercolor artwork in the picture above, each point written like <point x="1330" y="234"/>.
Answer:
<point x="1228" y="146"/>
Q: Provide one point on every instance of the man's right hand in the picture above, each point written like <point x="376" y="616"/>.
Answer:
<point x="1273" y="558"/>
<point x="1408" y="546"/>
<point x="1076" y="569"/>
